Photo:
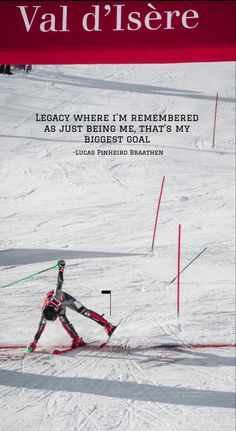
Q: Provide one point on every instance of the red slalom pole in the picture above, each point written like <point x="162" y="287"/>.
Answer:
<point x="157" y="213"/>
<point x="178" y="271"/>
<point x="214" y="126"/>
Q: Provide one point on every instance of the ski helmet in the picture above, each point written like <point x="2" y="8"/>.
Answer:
<point x="50" y="313"/>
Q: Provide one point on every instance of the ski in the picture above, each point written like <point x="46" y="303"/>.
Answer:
<point x="70" y="349"/>
<point x="109" y="338"/>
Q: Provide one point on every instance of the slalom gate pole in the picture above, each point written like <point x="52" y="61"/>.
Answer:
<point x="157" y="213"/>
<point x="196" y="257"/>
<point x="214" y="126"/>
<point x="29" y="276"/>
<point x="178" y="272"/>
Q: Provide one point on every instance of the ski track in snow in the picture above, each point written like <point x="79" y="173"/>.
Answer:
<point x="98" y="214"/>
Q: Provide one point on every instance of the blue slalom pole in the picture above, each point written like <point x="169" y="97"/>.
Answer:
<point x="182" y="270"/>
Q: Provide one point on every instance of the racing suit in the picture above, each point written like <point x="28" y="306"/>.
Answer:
<point x="60" y="300"/>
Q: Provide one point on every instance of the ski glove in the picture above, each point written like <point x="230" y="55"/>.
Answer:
<point x="61" y="263"/>
<point x="32" y="346"/>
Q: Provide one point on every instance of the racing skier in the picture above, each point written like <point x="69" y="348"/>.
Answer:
<point x="54" y="305"/>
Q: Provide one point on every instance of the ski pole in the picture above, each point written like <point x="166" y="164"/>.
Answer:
<point x="199" y="254"/>
<point x="29" y="276"/>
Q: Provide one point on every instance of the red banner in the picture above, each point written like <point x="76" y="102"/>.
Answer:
<point x="116" y="32"/>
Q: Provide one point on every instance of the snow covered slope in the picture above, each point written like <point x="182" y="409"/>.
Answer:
<point x="97" y="212"/>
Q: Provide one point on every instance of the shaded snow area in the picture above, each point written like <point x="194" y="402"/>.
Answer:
<point x="97" y="212"/>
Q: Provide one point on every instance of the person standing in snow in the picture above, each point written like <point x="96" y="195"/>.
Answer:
<point x="54" y="305"/>
<point x="5" y="68"/>
<point x="27" y="68"/>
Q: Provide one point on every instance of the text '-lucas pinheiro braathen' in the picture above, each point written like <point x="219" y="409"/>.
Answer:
<point x="130" y="152"/>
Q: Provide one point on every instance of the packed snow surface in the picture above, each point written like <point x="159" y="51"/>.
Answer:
<point x="97" y="212"/>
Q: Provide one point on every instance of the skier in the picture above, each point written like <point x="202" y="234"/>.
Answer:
<point x="54" y="305"/>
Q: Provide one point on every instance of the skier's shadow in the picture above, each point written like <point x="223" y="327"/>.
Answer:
<point x="24" y="256"/>
<point x="118" y="389"/>
<point x="189" y="357"/>
<point x="163" y="355"/>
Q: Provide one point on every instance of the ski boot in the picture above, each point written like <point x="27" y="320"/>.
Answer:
<point x="109" y="328"/>
<point x="77" y="342"/>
